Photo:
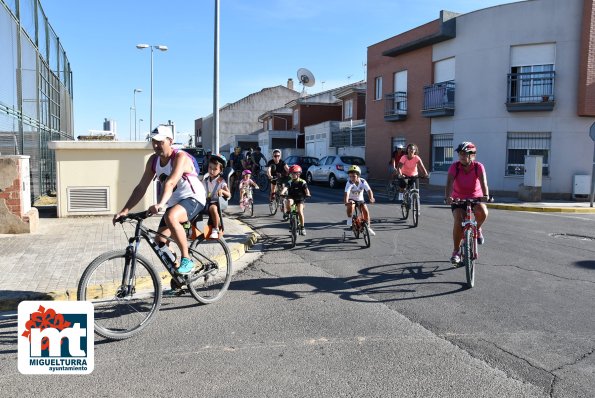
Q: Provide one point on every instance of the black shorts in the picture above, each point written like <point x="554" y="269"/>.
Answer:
<point x="461" y="205"/>
<point x="297" y="200"/>
<point x="191" y="205"/>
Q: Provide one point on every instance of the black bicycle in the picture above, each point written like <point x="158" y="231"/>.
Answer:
<point x="125" y="288"/>
<point x="277" y="200"/>
<point x="411" y="201"/>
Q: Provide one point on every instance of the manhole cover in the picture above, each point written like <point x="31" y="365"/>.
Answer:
<point x="572" y="236"/>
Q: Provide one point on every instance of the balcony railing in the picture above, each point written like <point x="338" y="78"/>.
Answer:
<point x="531" y="91"/>
<point x="439" y="99"/>
<point x="395" y="106"/>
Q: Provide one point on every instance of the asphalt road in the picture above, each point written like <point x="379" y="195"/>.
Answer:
<point x="331" y="318"/>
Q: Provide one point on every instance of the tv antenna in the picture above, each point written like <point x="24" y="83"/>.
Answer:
<point x="306" y="78"/>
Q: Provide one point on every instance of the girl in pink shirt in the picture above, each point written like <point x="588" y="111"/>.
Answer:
<point x="409" y="166"/>
<point x="466" y="180"/>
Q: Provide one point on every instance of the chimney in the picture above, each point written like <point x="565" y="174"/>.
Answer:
<point x="290" y="83"/>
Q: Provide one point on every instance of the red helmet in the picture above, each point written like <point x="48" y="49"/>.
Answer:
<point x="295" y="169"/>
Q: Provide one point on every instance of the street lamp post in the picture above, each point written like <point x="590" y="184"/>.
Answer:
<point x="161" y="48"/>
<point x="136" y="90"/>
<point x="140" y="131"/>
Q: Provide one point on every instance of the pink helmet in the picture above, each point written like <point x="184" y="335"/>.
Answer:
<point x="246" y="172"/>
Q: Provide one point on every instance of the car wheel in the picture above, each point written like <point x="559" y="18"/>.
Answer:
<point x="332" y="181"/>
<point x="309" y="179"/>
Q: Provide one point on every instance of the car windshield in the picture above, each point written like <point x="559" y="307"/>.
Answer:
<point x="353" y="160"/>
<point x="313" y="161"/>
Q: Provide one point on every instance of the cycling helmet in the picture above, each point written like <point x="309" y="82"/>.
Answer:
<point x="467" y="147"/>
<point x="355" y="169"/>
<point x="295" y="169"/>
<point x="246" y="172"/>
<point x="219" y="159"/>
<point x="276" y="151"/>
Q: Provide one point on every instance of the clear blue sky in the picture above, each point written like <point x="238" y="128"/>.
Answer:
<point x="262" y="44"/>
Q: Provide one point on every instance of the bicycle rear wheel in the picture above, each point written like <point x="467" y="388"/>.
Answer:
<point x="415" y="209"/>
<point x="212" y="275"/>
<point x="119" y="315"/>
<point x="366" y="234"/>
<point x="251" y="208"/>
<point x="469" y="257"/>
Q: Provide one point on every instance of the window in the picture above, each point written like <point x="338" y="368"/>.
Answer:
<point x="296" y="118"/>
<point x="329" y="160"/>
<point x="395" y="141"/>
<point x="378" y="88"/>
<point x="270" y="124"/>
<point x="348" y="109"/>
<point x="533" y="83"/>
<point x="518" y="145"/>
<point x="442" y="152"/>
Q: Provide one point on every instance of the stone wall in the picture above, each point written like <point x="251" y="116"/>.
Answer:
<point x="16" y="214"/>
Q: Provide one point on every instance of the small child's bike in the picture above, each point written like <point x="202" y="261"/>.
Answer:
<point x="247" y="202"/>
<point x="359" y="227"/>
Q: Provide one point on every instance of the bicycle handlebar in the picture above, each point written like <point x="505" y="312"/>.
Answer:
<point x="139" y="216"/>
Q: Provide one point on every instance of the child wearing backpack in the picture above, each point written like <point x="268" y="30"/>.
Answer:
<point x="216" y="187"/>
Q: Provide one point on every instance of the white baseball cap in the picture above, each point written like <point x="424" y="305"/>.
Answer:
<point x="161" y="133"/>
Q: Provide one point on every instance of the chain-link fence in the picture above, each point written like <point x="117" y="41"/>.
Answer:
<point x="36" y="90"/>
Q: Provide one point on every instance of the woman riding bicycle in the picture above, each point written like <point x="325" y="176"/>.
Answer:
<point x="466" y="180"/>
<point x="277" y="171"/>
<point x="409" y="166"/>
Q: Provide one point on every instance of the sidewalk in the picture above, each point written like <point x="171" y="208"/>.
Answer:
<point x="47" y="265"/>
<point x="435" y="195"/>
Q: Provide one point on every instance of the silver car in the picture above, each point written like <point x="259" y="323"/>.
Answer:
<point x="333" y="169"/>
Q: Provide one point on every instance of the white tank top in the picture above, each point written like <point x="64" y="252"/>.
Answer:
<point x="188" y="186"/>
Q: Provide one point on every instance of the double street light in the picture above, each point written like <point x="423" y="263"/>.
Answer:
<point x="152" y="47"/>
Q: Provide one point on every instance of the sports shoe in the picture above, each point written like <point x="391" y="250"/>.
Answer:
<point x="455" y="259"/>
<point x="285" y="216"/>
<point x="480" y="238"/>
<point x="214" y="234"/>
<point x="349" y="222"/>
<point x="303" y="231"/>
<point x="186" y="266"/>
<point x="370" y="230"/>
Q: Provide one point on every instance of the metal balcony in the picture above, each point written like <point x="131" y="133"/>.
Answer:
<point x="395" y="106"/>
<point x="439" y="99"/>
<point x="531" y="91"/>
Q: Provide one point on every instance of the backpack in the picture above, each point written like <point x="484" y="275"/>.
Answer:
<point x="458" y="166"/>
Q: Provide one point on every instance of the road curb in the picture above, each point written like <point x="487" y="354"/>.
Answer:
<point x="237" y="250"/>
<point x="543" y="209"/>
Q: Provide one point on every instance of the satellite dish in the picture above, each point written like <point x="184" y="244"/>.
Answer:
<point x="305" y="77"/>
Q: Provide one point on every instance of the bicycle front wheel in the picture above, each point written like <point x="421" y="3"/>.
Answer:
<point x="212" y="275"/>
<point x="391" y="191"/>
<point x="404" y="209"/>
<point x="120" y="312"/>
<point x="468" y="257"/>
<point x="273" y="204"/>
<point x="366" y="234"/>
<point x="251" y="208"/>
<point x="293" y="227"/>
<point x="415" y="209"/>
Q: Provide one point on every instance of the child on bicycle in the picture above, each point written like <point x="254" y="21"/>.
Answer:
<point x="354" y="194"/>
<point x="466" y="180"/>
<point x="245" y="184"/>
<point x="216" y="187"/>
<point x="409" y="166"/>
<point x="297" y="191"/>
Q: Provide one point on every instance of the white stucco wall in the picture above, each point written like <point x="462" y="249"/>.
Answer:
<point x="482" y="61"/>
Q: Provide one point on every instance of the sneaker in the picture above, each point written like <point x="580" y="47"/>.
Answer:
<point x="303" y="231"/>
<point x="186" y="266"/>
<point x="285" y="216"/>
<point x="370" y="230"/>
<point x="455" y="259"/>
<point x="480" y="238"/>
<point x="214" y="234"/>
<point x="349" y="222"/>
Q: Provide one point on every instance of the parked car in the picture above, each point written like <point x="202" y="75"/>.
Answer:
<point x="199" y="155"/>
<point x="304" y="161"/>
<point x="333" y="169"/>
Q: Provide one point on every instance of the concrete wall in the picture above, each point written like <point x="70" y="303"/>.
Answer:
<point x="97" y="165"/>
<point x="482" y="50"/>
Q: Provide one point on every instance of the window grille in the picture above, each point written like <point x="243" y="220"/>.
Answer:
<point x="520" y="144"/>
<point x="442" y="152"/>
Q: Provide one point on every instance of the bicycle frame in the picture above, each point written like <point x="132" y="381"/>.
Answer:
<point x="469" y="222"/>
